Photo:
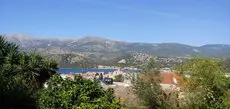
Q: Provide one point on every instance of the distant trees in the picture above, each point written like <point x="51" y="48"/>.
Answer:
<point x="226" y="64"/>
<point x="74" y="61"/>
<point x="152" y="66"/>
<point x="79" y="93"/>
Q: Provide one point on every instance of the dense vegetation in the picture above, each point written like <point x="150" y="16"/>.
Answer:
<point x="73" y="61"/>
<point x="23" y="75"/>
<point x="226" y="64"/>
<point x="22" y="79"/>
<point x="206" y="88"/>
<point x="147" y="87"/>
<point x="76" y="94"/>
<point x="118" y="78"/>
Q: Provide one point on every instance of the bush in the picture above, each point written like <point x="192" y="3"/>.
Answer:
<point x="79" y="93"/>
<point x="207" y="86"/>
<point x="147" y="87"/>
<point x="119" y="78"/>
<point x="22" y="75"/>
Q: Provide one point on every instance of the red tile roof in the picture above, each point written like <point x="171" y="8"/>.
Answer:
<point x="167" y="77"/>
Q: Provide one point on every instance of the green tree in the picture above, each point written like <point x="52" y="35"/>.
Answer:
<point x="13" y="91"/>
<point x="226" y="64"/>
<point x="152" y="66"/>
<point x="21" y="76"/>
<point x="206" y="87"/>
<point x="78" y="93"/>
<point x="36" y="69"/>
<point x="119" y="78"/>
<point x="7" y="51"/>
<point x="147" y="87"/>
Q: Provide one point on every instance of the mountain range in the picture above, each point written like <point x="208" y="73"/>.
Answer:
<point x="98" y="49"/>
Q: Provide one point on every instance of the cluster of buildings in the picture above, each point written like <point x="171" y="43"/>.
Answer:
<point x="169" y="78"/>
<point x="91" y="75"/>
<point x="115" y="67"/>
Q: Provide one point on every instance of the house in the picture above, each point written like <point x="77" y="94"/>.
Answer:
<point x="169" y="80"/>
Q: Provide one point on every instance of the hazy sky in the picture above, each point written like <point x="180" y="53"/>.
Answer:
<point x="194" y="22"/>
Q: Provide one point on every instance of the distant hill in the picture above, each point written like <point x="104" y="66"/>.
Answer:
<point x="101" y="50"/>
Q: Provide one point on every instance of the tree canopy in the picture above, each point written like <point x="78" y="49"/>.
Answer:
<point x="22" y="75"/>
<point x="206" y="85"/>
<point x="78" y="93"/>
<point x="22" y="79"/>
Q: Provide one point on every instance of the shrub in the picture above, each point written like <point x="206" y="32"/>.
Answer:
<point x="79" y="93"/>
<point x="119" y="78"/>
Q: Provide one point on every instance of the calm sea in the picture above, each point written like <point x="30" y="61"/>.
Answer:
<point x="82" y="70"/>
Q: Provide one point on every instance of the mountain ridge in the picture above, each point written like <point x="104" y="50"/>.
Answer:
<point x="91" y="50"/>
<point x="91" y="37"/>
<point x="100" y="49"/>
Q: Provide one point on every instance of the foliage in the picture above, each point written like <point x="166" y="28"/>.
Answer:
<point x="152" y="66"/>
<point x="73" y="61"/>
<point x="227" y="81"/>
<point x="206" y="87"/>
<point x="226" y="64"/>
<point x="78" y="93"/>
<point x="147" y="87"/>
<point x="226" y="100"/>
<point x="36" y="69"/>
<point x="21" y="76"/>
<point x="119" y="78"/>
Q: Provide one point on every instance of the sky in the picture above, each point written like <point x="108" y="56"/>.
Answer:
<point x="193" y="22"/>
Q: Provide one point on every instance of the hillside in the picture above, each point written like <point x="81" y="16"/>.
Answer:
<point x="101" y="50"/>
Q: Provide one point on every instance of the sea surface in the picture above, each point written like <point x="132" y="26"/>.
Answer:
<point x="82" y="70"/>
